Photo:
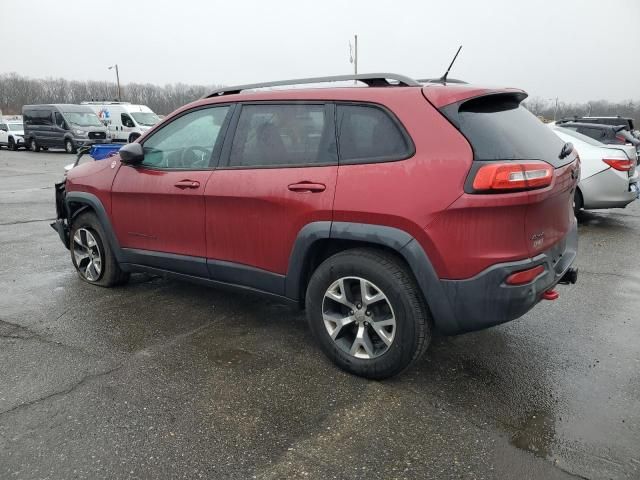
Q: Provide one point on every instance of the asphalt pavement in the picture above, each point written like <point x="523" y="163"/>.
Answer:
<point x="163" y="379"/>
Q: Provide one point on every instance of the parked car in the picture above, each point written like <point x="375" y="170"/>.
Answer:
<point x="11" y="135"/>
<point x="608" y="173"/>
<point x="627" y="122"/>
<point x="451" y="208"/>
<point x="62" y="126"/>
<point x="125" y="121"/>
<point x="608" y="134"/>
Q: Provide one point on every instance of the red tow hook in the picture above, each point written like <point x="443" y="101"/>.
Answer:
<point x="550" y="295"/>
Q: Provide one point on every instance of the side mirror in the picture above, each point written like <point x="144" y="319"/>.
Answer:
<point x="131" y="154"/>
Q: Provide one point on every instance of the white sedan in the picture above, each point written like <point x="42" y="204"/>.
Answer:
<point x="608" y="173"/>
<point x="12" y="135"/>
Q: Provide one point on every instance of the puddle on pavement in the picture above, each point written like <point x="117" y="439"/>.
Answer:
<point x="535" y="435"/>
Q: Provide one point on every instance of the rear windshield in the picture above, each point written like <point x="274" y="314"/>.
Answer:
<point x="578" y="136"/>
<point x="499" y="128"/>
<point x="609" y="121"/>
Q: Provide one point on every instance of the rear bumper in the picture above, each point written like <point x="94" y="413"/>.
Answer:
<point x="608" y="189"/>
<point x="485" y="300"/>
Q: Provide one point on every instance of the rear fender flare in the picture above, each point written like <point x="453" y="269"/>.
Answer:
<point x="393" y="238"/>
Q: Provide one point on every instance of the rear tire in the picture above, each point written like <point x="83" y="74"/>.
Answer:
<point x="33" y="145"/>
<point x="91" y="253"/>
<point x="367" y="313"/>
<point x="12" y="145"/>
<point x="69" y="146"/>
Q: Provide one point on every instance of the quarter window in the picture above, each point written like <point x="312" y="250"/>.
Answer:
<point x="368" y="134"/>
<point x="273" y="135"/>
<point x="187" y="142"/>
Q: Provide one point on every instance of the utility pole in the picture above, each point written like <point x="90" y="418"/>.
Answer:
<point x="355" y="63"/>
<point x="353" y="56"/>
<point x="555" y="110"/>
<point x="118" y="80"/>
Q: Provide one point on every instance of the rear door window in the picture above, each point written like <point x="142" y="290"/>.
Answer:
<point x="273" y="135"/>
<point x="369" y="134"/>
<point x="499" y="128"/>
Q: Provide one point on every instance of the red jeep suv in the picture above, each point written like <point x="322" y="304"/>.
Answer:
<point x="387" y="211"/>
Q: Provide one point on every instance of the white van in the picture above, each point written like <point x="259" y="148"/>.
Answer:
<point x="125" y="121"/>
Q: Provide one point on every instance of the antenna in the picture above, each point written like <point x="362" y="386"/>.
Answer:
<point x="443" y="78"/>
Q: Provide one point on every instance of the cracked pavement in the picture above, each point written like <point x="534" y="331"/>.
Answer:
<point x="162" y="379"/>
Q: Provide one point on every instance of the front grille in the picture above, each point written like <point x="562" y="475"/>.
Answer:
<point x="97" y="135"/>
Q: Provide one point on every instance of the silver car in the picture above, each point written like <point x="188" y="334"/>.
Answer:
<point x="608" y="173"/>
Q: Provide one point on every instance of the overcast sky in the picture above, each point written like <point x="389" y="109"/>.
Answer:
<point x="577" y="50"/>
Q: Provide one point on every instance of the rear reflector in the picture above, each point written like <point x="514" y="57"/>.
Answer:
<point x="550" y="295"/>
<point x="524" y="276"/>
<point x="623" y="165"/>
<point x="507" y="176"/>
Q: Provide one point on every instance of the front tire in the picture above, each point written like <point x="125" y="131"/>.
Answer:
<point x="12" y="145"/>
<point x="69" y="146"/>
<point x="367" y="313"/>
<point x="578" y="202"/>
<point x="33" y="145"/>
<point x="133" y="137"/>
<point x="91" y="253"/>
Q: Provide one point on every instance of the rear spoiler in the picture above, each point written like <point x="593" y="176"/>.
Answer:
<point x="441" y="96"/>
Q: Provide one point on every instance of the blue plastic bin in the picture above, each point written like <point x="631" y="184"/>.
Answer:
<point x="105" y="150"/>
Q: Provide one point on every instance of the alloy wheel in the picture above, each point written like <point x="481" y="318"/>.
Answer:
<point x="359" y="317"/>
<point x="87" y="254"/>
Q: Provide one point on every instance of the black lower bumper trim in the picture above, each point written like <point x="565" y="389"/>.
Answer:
<point x="62" y="228"/>
<point x="486" y="300"/>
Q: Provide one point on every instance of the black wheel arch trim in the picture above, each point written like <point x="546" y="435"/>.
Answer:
<point x="89" y="200"/>
<point x="393" y="238"/>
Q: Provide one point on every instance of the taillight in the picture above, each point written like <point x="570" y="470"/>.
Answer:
<point x="622" y="165"/>
<point x="513" y="176"/>
<point x="525" y="276"/>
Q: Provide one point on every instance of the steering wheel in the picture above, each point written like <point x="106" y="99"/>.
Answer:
<point x="195" y="157"/>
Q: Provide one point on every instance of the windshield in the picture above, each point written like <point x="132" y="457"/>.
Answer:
<point x="15" y="127"/>
<point x="572" y="133"/>
<point x="146" y="119"/>
<point x="83" y="119"/>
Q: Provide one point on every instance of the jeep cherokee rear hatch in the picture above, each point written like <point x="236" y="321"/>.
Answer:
<point x="522" y="179"/>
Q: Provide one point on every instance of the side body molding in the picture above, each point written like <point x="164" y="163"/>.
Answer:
<point x="393" y="238"/>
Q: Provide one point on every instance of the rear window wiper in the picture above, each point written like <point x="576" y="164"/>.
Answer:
<point x="567" y="148"/>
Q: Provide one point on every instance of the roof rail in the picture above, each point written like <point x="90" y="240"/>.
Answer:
<point x="104" y="102"/>
<point x="439" y="80"/>
<point x="370" y="79"/>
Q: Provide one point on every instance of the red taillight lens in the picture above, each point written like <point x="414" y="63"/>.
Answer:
<point x="525" y="276"/>
<point x="623" y="165"/>
<point x="513" y="176"/>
